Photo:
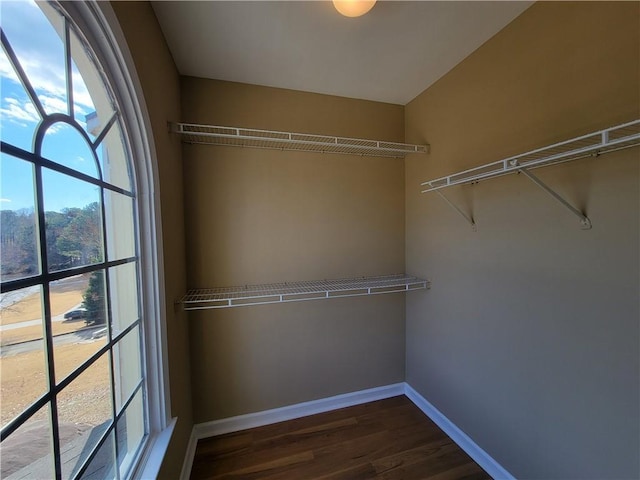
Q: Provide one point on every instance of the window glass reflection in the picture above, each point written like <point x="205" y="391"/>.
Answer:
<point x="28" y="452"/>
<point x="120" y="226"/>
<point x="113" y="159"/>
<point x="124" y="296"/>
<point x="84" y="406"/>
<point x="92" y="106"/>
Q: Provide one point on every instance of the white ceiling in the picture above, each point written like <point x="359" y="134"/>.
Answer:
<point x="391" y="54"/>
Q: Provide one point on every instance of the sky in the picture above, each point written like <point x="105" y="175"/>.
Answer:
<point x="42" y="57"/>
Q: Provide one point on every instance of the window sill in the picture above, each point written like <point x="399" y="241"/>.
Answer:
<point x="152" y="461"/>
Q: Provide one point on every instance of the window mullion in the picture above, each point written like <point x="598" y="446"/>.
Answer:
<point x="48" y="328"/>
<point x="105" y="130"/>
<point x="12" y="285"/>
<point x="22" y="75"/>
<point x="92" y="359"/>
<point x="110" y="335"/>
<point x="31" y="157"/>
<point x="68" y="70"/>
<point x="24" y="416"/>
<point x="44" y="399"/>
<point x="105" y="437"/>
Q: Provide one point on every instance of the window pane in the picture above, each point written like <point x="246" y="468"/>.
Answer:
<point x="126" y="366"/>
<point x="67" y="312"/>
<point x="18" y="223"/>
<point x="130" y="433"/>
<point x="73" y="218"/>
<point x="19" y="116"/>
<point x="91" y="103"/>
<point x="72" y="349"/>
<point x="120" y="227"/>
<point x="22" y="359"/>
<point x="41" y="55"/>
<point x="103" y="464"/>
<point x="63" y="144"/>
<point x="124" y="296"/>
<point x="84" y="406"/>
<point x="113" y="159"/>
<point x="27" y="452"/>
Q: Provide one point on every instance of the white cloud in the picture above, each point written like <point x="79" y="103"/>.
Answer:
<point x="5" y="200"/>
<point x="6" y="70"/>
<point x="18" y="112"/>
<point x="50" y="88"/>
<point x="41" y="57"/>
<point x="52" y="103"/>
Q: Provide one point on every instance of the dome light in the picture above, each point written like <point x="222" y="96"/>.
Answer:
<point x="353" y="8"/>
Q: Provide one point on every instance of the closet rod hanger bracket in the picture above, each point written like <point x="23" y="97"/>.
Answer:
<point x="468" y="218"/>
<point x="595" y="144"/>
<point x="584" y="220"/>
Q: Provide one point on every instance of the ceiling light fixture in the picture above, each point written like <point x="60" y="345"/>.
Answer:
<point x="353" y="8"/>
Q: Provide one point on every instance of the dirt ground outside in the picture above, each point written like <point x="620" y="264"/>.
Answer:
<point x="82" y="406"/>
<point x="25" y="334"/>
<point x="64" y="296"/>
<point x="84" y="403"/>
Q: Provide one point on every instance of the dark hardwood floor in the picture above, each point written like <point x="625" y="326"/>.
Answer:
<point x="388" y="439"/>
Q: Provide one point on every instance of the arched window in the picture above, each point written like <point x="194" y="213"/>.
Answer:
<point x="76" y="395"/>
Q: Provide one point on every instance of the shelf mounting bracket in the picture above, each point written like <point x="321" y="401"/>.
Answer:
<point x="584" y="220"/>
<point x="468" y="218"/>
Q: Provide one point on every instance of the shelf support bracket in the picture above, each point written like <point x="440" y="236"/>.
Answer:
<point x="468" y="218"/>
<point x="584" y="220"/>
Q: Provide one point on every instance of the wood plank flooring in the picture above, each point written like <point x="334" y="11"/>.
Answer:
<point x="389" y="439"/>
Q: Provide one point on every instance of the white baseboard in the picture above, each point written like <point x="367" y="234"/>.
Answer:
<point x="189" y="455"/>
<point x="472" y="449"/>
<point x="282" y="414"/>
<point x="268" y="417"/>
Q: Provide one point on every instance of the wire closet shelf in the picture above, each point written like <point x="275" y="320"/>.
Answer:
<point x="226" y="297"/>
<point x="246" y="137"/>
<point x="591" y="145"/>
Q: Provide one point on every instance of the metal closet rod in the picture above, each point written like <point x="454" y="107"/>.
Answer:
<point x="593" y="144"/>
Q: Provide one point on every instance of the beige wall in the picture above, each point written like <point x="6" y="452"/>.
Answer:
<point x="528" y="340"/>
<point x="264" y="216"/>
<point x="160" y="83"/>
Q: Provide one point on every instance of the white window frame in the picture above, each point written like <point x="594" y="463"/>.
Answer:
<point x="99" y="24"/>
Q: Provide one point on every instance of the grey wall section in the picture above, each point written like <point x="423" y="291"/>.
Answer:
<point x="265" y="216"/>
<point x="528" y="340"/>
<point x="160" y="83"/>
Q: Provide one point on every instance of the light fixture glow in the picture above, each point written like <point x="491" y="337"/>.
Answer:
<point x="353" y="8"/>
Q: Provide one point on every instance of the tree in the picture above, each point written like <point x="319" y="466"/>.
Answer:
<point x="93" y="299"/>
<point x="18" y="244"/>
<point x="56" y="222"/>
<point x="81" y="238"/>
<point x="73" y="237"/>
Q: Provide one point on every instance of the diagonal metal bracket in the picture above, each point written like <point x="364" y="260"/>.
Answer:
<point x="457" y="209"/>
<point x="584" y="220"/>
